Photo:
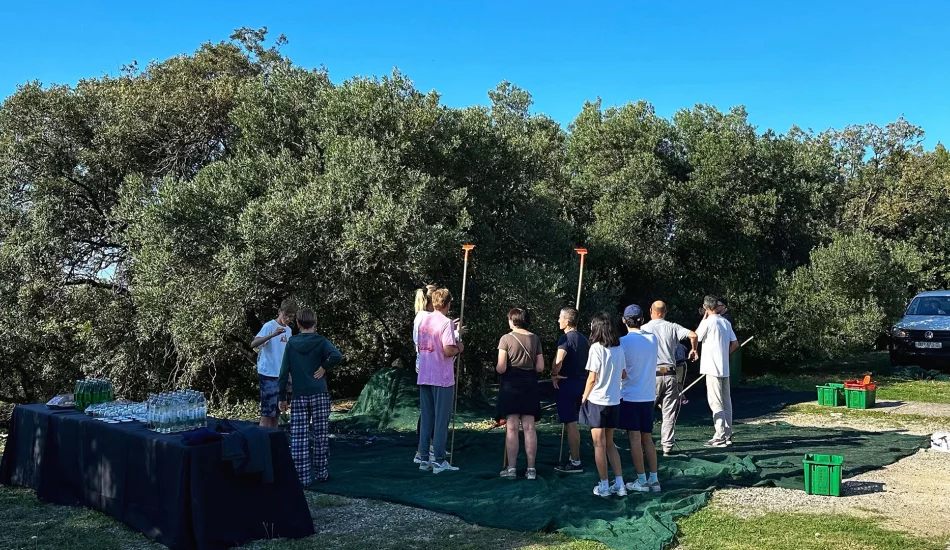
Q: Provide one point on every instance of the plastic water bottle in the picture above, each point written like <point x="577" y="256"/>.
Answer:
<point x="202" y="411"/>
<point x="193" y="413"/>
<point x="181" y="409"/>
<point x="164" y="416"/>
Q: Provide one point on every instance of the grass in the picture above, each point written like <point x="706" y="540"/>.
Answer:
<point x="27" y="524"/>
<point x="890" y="385"/>
<point x="714" y="529"/>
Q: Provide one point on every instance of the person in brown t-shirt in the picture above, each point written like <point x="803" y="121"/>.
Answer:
<point x="520" y="360"/>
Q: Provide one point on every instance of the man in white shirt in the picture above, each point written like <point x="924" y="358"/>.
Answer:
<point x="668" y="336"/>
<point x="719" y="341"/>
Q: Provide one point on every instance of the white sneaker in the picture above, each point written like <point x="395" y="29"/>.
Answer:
<point x="418" y="460"/>
<point x="603" y="493"/>
<point x="443" y="467"/>
<point x="432" y="452"/>
<point x="654" y="487"/>
<point x="637" y="487"/>
<point x="619" y="490"/>
<point x="425" y="466"/>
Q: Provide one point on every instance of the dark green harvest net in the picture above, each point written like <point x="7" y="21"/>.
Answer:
<point x="372" y="448"/>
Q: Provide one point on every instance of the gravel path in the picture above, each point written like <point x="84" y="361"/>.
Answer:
<point x="910" y="495"/>
<point x="855" y="420"/>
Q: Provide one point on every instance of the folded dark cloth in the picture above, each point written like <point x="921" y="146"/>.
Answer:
<point x="223" y="426"/>
<point x="248" y="450"/>
<point x="201" y="436"/>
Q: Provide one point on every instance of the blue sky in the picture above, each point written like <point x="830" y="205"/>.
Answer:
<point x="814" y="64"/>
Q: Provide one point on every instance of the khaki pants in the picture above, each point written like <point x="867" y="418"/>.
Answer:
<point x="681" y="375"/>
<point x="720" y="402"/>
<point x="668" y="397"/>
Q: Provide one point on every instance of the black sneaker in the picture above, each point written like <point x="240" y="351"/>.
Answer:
<point x="569" y="468"/>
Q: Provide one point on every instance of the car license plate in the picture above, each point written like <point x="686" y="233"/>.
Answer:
<point x="929" y="345"/>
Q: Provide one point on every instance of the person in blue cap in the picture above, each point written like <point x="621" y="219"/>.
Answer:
<point x="637" y="395"/>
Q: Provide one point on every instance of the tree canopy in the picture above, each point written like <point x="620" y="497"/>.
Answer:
<point x="152" y="221"/>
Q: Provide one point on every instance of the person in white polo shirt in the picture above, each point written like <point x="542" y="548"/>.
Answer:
<point x="719" y="341"/>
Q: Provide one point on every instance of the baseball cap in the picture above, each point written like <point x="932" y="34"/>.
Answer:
<point x="633" y="310"/>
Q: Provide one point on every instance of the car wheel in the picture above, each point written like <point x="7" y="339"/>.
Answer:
<point x="896" y="359"/>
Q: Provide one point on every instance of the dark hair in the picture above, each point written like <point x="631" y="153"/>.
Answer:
<point x="519" y="318"/>
<point x="633" y="322"/>
<point x="603" y="331"/>
<point x="306" y="319"/>
<point x="570" y="315"/>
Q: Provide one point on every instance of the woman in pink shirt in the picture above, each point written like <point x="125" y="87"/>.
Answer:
<point x="437" y="346"/>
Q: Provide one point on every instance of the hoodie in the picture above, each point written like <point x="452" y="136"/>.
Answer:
<point x="304" y="355"/>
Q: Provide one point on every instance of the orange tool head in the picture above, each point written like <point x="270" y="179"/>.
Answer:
<point x="867" y="379"/>
<point x="581" y="251"/>
<point x="468" y="247"/>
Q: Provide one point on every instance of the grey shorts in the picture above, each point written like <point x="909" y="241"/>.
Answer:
<point x="268" y="395"/>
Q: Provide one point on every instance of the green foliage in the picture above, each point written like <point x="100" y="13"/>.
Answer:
<point x="152" y="221"/>
<point x="847" y="295"/>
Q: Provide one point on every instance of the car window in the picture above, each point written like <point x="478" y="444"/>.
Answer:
<point x="929" y="305"/>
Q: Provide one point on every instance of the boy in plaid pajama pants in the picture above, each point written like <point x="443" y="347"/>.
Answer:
<point x="308" y="358"/>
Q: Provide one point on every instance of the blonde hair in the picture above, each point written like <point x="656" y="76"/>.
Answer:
<point x="441" y="298"/>
<point x="424" y="298"/>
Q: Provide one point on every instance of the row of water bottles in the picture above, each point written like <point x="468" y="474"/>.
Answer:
<point x="177" y="411"/>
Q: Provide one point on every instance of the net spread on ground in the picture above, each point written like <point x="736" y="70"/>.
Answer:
<point x="373" y="445"/>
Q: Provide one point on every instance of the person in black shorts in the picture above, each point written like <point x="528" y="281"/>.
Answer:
<point x="569" y="376"/>
<point x="600" y="404"/>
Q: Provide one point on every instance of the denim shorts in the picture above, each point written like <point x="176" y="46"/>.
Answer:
<point x="268" y="395"/>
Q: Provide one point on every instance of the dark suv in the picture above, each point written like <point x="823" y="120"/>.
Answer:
<point x="923" y="335"/>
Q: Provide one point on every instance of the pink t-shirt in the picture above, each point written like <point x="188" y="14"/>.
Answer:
<point x="435" y="369"/>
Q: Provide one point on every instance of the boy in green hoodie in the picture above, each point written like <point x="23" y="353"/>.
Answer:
<point x="308" y="358"/>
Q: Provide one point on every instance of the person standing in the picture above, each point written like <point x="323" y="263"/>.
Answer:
<point x="719" y="341"/>
<point x="520" y="360"/>
<point x="423" y="307"/>
<point x="309" y="357"/>
<point x="668" y="336"/>
<point x="438" y="346"/>
<point x="272" y="341"/>
<point x="722" y="308"/>
<point x="568" y="375"/>
<point x="600" y="404"/>
<point x="637" y="397"/>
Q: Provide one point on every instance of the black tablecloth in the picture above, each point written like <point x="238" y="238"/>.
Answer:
<point x="183" y="497"/>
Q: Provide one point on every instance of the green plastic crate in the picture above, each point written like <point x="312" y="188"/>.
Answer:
<point x="860" y="399"/>
<point x="829" y="396"/>
<point x="823" y="474"/>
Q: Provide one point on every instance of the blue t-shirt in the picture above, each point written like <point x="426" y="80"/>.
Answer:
<point x="575" y="362"/>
